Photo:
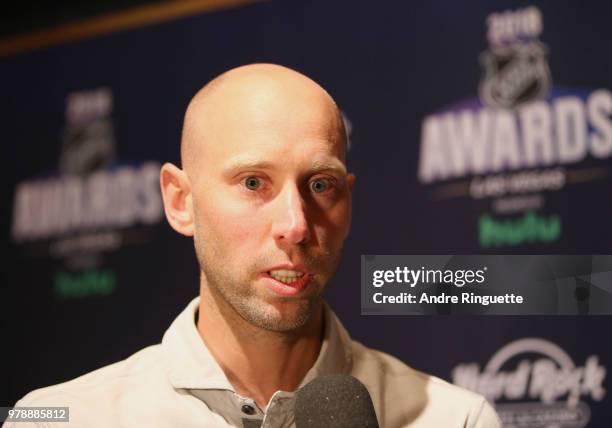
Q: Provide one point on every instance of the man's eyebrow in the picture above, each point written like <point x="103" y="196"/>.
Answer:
<point x="336" y="166"/>
<point x="247" y="164"/>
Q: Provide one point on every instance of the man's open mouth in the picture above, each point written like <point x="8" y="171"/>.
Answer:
<point x="286" y="276"/>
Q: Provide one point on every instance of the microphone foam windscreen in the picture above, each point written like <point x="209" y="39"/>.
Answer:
<point x="337" y="401"/>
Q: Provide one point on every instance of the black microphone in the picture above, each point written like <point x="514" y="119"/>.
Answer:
<point x="338" y="401"/>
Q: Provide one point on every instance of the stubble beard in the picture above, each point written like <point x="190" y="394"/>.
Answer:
<point x="235" y="293"/>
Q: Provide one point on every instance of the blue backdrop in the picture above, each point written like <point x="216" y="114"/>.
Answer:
<point x="88" y="282"/>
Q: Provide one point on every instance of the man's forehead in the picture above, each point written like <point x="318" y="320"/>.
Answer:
<point x="258" y="107"/>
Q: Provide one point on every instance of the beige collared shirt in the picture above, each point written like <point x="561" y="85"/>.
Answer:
<point x="178" y="383"/>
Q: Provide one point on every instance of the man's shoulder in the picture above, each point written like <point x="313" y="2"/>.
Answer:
<point x="395" y="372"/>
<point x="100" y="384"/>
<point x="413" y="398"/>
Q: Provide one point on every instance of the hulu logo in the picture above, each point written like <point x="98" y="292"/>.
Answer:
<point x="84" y="284"/>
<point x="528" y="229"/>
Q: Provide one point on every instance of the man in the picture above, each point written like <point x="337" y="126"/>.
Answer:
<point x="265" y="194"/>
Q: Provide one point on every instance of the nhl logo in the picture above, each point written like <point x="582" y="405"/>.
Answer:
<point x="515" y="66"/>
<point x="88" y="141"/>
<point x="514" y="74"/>
<point x="87" y="148"/>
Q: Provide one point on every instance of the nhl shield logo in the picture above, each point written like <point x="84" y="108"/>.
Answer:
<point x="88" y="140"/>
<point x="515" y="74"/>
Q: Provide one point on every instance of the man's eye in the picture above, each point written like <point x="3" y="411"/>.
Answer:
<point x="252" y="183"/>
<point x="320" y="185"/>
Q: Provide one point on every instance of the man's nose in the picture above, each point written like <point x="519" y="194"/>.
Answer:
<point x="291" y="225"/>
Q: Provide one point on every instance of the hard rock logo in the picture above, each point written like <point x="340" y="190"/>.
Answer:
<point x="535" y="384"/>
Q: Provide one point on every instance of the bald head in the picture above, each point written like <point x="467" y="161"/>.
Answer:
<point x="249" y="99"/>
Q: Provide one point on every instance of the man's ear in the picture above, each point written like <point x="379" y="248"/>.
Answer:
<point x="176" y="193"/>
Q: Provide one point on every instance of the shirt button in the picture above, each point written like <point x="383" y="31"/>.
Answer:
<point x="248" y="410"/>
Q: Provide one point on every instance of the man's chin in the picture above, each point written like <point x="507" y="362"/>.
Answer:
<point x="281" y="315"/>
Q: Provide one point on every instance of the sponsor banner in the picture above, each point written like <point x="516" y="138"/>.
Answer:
<point x="90" y="206"/>
<point x="534" y="383"/>
<point x="486" y="284"/>
<point x="509" y="158"/>
<point x="507" y="153"/>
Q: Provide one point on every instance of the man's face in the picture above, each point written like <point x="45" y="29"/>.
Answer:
<point x="272" y="205"/>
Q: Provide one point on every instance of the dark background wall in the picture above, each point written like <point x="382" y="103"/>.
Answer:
<point x="79" y="295"/>
<point x="35" y="15"/>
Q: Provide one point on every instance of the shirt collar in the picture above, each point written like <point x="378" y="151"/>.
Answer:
<point x="190" y="365"/>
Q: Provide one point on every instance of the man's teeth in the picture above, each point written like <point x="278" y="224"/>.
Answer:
<point x="286" y="276"/>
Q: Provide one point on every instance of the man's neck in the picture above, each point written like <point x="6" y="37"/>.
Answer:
<point x="258" y="362"/>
